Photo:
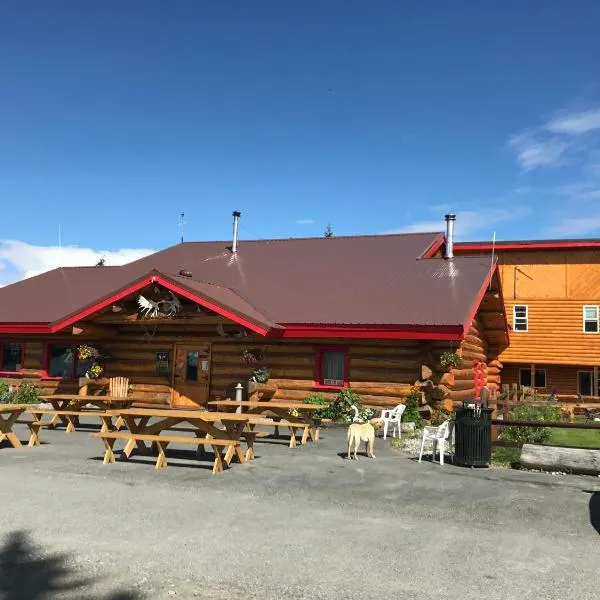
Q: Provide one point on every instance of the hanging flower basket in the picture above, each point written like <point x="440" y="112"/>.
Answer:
<point x="261" y="375"/>
<point x="450" y="360"/>
<point x="252" y="355"/>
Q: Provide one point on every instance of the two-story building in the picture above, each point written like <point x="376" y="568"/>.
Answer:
<point x="552" y="295"/>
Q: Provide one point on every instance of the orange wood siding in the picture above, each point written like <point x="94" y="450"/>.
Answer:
<point x="561" y="377"/>
<point x="555" y="285"/>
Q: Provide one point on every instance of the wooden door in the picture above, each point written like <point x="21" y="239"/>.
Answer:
<point x="191" y="376"/>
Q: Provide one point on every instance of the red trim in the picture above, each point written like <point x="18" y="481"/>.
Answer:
<point x="435" y="246"/>
<point x="211" y="306"/>
<point x="155" y="278"/>
<point x="318" y="381"/>
<point x="525" y="246"/>
<point x="406" y="332"/>
<point x="13" y="328"/>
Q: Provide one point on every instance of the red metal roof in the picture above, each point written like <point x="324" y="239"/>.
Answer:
<point x="341" y="282"/>
<point x="465" y="247"/>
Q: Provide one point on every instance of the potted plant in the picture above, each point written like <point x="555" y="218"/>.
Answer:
<point x="92" y="354"/>
<point x="450" y="360"/>
<point x="261" y="375"/>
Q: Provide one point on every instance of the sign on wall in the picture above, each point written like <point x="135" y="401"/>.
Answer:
<point x="162" y="363"/>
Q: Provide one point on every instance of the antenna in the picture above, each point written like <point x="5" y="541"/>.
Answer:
<point x="493" y="250"/>
<point x="182" y="224"/>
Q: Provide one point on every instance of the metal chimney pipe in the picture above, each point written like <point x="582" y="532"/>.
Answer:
<point x="236" y="222"/>
<point x="450" y="235"/>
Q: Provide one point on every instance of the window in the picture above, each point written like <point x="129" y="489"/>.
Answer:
<point x="590" y="318"/>
<point x="191" y="369"/>
<point x="11" y="357"/>
<point x="520" y="317"/>
<point x="332" y="367"/>
<point x="585" y="383"/>
<point x="63" y="363"/>
<point x="525" y="378"/>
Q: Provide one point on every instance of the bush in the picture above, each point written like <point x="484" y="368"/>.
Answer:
<point x="411" y="412"/>
<point x="5" y="393"/>
<point x="323" y="413"/>
<point x="530" y="435"/>
<point x="440" y="415"/>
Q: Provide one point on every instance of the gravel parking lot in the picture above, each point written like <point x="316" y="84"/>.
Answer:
<point x="303" y="523"/>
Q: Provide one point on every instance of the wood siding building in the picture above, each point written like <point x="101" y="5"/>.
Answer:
<point x="552" y="297"/>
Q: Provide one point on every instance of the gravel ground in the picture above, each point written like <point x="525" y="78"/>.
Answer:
<point x="295" y="524"/>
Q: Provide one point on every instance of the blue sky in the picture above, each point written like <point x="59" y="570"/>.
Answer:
<point x="117" y="115"/>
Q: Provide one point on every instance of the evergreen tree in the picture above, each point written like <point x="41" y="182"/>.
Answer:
<point x="328" y="231"/>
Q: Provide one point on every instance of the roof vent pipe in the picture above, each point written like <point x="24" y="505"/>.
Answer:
<point x="450" y="235"/>
<point x="236" y="222"/>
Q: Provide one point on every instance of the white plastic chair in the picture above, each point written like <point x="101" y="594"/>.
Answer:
<point x="393" y="418"/>
<point x="442" y="436"/>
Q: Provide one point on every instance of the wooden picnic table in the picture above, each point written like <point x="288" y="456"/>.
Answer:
<point x="9" y="413"/>
<point x="76" y="402"/>
<point x="281" y="410"/>
<point x="137" y="421"/>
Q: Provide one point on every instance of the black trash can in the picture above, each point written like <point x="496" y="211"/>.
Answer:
<point x="473" y="435"/>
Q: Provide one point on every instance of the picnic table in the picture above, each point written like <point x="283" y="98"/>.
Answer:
<point x="63" y="404"/>
<point x="202" y="423"/>
<point x="303" y="419"/>
<point x="9" y="413"/>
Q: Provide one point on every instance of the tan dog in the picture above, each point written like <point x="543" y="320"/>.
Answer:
<point x="362" y="432"/>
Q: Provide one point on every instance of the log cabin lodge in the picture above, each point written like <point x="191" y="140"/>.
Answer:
<point x="372" y="313"/>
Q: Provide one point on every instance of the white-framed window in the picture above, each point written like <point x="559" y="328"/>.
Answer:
<point x="590" y="318"/>
<point x="585" y="383"/>
<point x="520" y="317"/>
<point x="525" y="378"/>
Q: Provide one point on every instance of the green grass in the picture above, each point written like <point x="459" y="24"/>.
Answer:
<point x="506" y="457"/>
<point x="582" y="438"/>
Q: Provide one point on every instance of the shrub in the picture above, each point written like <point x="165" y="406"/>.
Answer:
<point x="323" y="413"/>
<point x="411" y="412"/>
<point x="5" y="393"/>
<point x="440" y="415"/>
<point x="530" y="435"/>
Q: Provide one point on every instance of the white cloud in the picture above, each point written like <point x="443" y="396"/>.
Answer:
<point x="533" y="151"/>
<point x="305" y="222"/>
<point x="27" y="260"/>
<point x="469" y="222"/>
<point x="575" y="123"/>
<point x="577" y="226"/>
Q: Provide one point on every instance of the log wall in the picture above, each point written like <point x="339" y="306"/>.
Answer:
<point x="381" y="371"/>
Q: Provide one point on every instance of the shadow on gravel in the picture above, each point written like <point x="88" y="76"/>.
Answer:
<point x="27" y="572"/>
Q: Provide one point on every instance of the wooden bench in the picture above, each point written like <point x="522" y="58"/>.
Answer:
<point x="277" y="423"/>
<point x="249" y="436"/>
<point x="34" y="429"/>
<point x="162" y="441"/>
<point x="72" y="417"/>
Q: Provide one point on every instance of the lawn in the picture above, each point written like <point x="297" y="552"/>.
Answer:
<point x="583" y="438"/>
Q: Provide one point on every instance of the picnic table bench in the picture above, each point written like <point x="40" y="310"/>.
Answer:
<point x="162" y="441"/>
<point x="282" y="416"/>
<point x="154" y="426"/>
<point x="9" y="416"/>
<point x="67" y="408"/>
<point x="72" y="417"/>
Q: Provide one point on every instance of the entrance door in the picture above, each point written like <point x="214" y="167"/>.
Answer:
<point x="191" y="376"/>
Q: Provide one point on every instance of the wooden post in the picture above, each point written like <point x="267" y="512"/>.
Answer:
<point x="533" y="380"/>
<point x="595" y="382"/>
<point x="514" y="388"/>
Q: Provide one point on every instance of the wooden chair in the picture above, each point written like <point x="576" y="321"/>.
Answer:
<point x="118" y="387"/>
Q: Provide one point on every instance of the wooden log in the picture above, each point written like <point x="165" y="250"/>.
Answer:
<point x="462" y="394"/>
<point x="448" y="379"/>
<point x="496" y="363"/>
<point x="555" y="458"/>
<point x="473" y="357"/>
<point x="439" y="392"/>
<point x="426" y="372"/>
<point x="472" y="348"/>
